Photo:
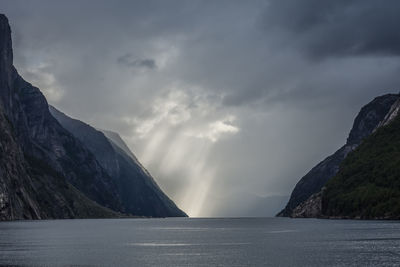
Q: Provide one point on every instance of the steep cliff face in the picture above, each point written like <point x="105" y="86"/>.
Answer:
<point x="42" y="137"/>
<point x="139" y="193"/>
<point x="39" y="159"/>
<point x="30" y="189"/>
<point x="92" y="139"/>
<point x="45" y="139"/>
<point x="16" y="186"/>
<point x="48" y="171"/>
<point x="367" y="185"/>
<point x="368" y="119"/>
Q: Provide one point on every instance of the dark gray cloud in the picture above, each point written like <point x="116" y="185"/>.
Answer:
<point x="337" y="28"/>
<point x="242" y="99"/>
<point x="129" y="61"/>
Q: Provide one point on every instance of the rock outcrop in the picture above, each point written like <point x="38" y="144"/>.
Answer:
<point x="311" y="208"/>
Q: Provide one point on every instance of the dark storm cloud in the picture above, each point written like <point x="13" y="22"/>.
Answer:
<point x="129" y="61"/>
<point x="337" y="28"/>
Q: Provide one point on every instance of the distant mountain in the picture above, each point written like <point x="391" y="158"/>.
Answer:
<point x="114" y="137"/>
<point x="369" y="118"/>
<point x="139" y="193"/>
<point x="45" y="171"/>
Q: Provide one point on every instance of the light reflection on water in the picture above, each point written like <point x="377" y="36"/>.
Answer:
<point x="200" y="242"/>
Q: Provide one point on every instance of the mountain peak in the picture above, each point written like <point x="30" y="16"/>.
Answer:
<point x="369" y="117"/>
<point x="6" y="56"/>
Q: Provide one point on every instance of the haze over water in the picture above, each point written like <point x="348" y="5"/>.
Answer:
<point x="200" y="242"/>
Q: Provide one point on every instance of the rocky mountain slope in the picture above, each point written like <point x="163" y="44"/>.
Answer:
<point x="38" y="157"/>
<point x="368" y="119"/>
<point x="367" y="185"/>
<point x="45" y="171"/>
<point x="139" y="193"/>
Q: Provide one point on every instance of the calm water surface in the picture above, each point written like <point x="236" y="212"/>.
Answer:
<point x="200" y="242"/>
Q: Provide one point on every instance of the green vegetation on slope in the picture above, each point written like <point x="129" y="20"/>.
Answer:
<point x="367" y="185"/>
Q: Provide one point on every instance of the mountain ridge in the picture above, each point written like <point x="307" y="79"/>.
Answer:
<point x="45" y="171"/>
<point x="124" y="168"/>
<point x="365" y="123"/>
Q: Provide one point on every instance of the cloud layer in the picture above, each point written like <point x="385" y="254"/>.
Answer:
<point x="337" y="28"/>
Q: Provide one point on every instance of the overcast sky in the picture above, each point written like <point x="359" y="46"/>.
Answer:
<point x="227" y="103"/>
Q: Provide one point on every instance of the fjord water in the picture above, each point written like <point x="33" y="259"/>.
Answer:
<point x="200" y="242"/>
